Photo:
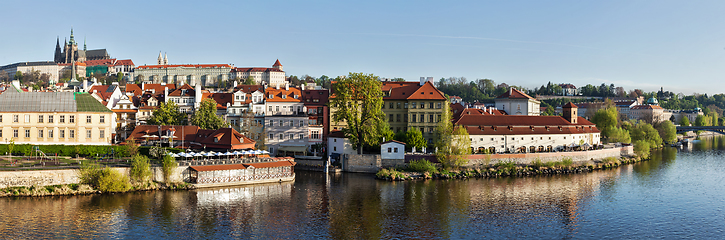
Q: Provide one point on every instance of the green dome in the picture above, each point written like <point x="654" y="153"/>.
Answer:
<point x="652" y="101"/>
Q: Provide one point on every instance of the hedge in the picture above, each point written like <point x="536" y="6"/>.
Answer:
<point x="73" y="150"/>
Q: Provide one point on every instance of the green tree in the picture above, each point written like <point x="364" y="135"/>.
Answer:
<point x="701" y="120"/>
<point x="205" y="117"/>
<point x="358" y="101"/>
<point x="167" y="114"/>
<point x="168" y="165"/>
<point x="249" y="81"/>
<point x="645" y="131"/>
<point x="452" y="144"/>
<point x="684" y="121"/>
<point x="19" y="76"/>
<point x="414" y="138"/>
<point x="667" y="131"/>
<point x="140" y="168"/>
<point x="642" y="148"/>
<point x="617" y="134"/>
<point x="606" y="119"/>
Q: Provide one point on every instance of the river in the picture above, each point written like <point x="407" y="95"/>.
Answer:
<point x="678" y="194"/>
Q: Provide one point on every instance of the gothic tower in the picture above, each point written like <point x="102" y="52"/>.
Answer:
<point x="58" y="54"/>
<point x="159" y="60"/>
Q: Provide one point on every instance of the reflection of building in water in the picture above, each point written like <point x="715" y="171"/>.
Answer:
<point x="216" y="196"/>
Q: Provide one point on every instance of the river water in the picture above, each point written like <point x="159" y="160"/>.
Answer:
<point x="678" y="194"/>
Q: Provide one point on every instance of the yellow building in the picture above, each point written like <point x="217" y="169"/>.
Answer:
<point x="54" y="118"/>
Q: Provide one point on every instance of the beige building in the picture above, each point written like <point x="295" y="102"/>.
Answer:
<point x="54" y="118"/>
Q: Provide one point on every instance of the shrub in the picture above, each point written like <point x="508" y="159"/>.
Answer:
<point x="169" y="164"/>
<point x="112" y="181"/>
<point x="140" y="168"/>
<point x="537" y="163"/>
<point x="422" y="166"/>
<point x="567" y="161"/>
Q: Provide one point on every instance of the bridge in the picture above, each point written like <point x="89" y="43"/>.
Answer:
<point x="717" y="129"/>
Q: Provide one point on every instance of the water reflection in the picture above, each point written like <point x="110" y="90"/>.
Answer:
<point x="642" y="198"/>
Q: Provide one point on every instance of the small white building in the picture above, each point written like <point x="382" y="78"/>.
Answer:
<point x="392" y="150"/>
<point x="338" y="144"/>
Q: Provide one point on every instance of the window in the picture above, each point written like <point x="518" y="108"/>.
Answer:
<point x="301" y="136"/>
<point x="398" y="105"/>
<point x="315" y="134"/>
<point x="102" y="119"/>
<point x="72" y="133"/>
<point x="302" y="123"/>
<point x="40" y="118"/>
<point x="430" y="118"/>
<point x="430" y="105"/>
<point x="383" y="106"/>
<point x="271" y="136"/>
<point x="438" y="105"/>
<point x="50" y="118"/>
<point x="1" y="118"/>
<point x="281" y="136"/>
<point x="413" y="118"/>
<point x="50" y="133"/>
<point x="62" y="133"/>
<point x="439" y="118"/>
<point x="405" y="106"/>
<point x="276" y="108"/>
<point x="88" y="133"/>
<point x="395" y="150"/>
<point x="15" y="118"/>
<point x="412" y="105"/>
<point x="15" y="133"/>
<point x="88" y="119"/>
<point x="390" y="149"/>
<point x="27" y="118"/>
<point x="391" y="106"/>
<point x="71" y="119"/>
<point x="422" y="105"/>
<point x="270" y="108"/>
<point x="27" y="133"/>
<point x="1" y="133"/>
<point x="391" y="117"/>
<point x="102" y="134"/>
<point x="405" y="118"/>
<point x="397" y="116"/>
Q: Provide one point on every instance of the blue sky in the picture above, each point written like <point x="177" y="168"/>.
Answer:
<point x="678" y="45"/>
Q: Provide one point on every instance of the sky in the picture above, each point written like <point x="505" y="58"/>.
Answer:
<point x="676" y="45"/>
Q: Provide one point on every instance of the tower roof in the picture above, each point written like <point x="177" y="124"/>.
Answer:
<point x="570" y="105"/>
<point x="277" y="63"/>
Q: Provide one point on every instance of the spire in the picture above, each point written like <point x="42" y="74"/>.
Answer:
<point x="160" y="60"/>
<point x="166" y="60"/>
<point x="84" y="43"/>
<point x="72" y="40"/>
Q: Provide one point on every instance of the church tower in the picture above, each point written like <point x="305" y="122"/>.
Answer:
<point x="159" y="60"/>
<point x="277" y="65"/>
<point x="58" y="54"/>
<point x="166" y="60"/>
<point x="570" y="113"/>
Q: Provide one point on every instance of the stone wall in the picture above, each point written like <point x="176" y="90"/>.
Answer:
<point x="70" y="176"/>
<point x="367" y="163"/>
<point x="528" y="158"/>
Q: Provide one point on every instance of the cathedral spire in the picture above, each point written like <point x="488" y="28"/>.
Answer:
<point x="166" y="60"/>
<point x="84" y="43"/>
<point x="72" y="40"/>
<point x="159" y="60"/>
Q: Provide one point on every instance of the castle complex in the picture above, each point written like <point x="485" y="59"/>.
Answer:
<point x="70" y="52"/>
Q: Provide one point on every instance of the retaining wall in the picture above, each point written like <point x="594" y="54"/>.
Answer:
<point x="70" y="176"/>
<point x="528" y="158"/>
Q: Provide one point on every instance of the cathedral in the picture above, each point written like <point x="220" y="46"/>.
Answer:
<point x="70" y="52"/>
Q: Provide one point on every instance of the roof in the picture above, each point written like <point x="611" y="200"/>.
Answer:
<point x="103" y="91"/>
<point x="529" y="130"/>
<point x="411" y="91"/>
<point x="221" y="99"/>
<point x="14" y="101"/>
<point x="278" y="93"/>
<point x="125" y="62"/>
<point x="277" y="63"/>
<point x="256" y="69"/>
<point x="642" y="107"/>
<point x="104" y="62"/>
<point x="249" y="88"/>
<point x="95" y="53"/>
<point x="392" y="141"/>
<point x="514" y="93"/>
<point x="206" y="168"/>
<point x="567" y="85"/>
<point x="518" y="120"/>
<point x="86" y="103"/>
<point x="336" y="134"/>
<point x="322" y="95"/>
<point x="570" y="105"/>
<point x="185" y="66"/>
<point x="29" y="64"/>
<point x="156" y="87"/>
<point x="184" y="90"/>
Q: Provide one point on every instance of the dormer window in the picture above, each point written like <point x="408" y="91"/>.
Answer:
<point x="216" y="139"/>
<point x="296" y="96"/>
<point x="271" y="96"/>
<point x="284" y="96"/>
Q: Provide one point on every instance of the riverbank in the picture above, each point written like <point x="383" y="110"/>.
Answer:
<point x="509" y="169"/>
<point x="84" y="189"/>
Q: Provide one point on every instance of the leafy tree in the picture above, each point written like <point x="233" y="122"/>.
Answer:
<point x="168" y="165"/>
<point x="701" y="120"/>
<point x="131" y="149"/>
<point x="645" y="131"/>
<point x="249" y="81"/>
<point x="19" y="76"/>
<point x="617" y="134"/>
<point x="667" y="131"/>
<point x="414" y="138"/>
<point x="398" y="79"/>
<point x="167" y="114"/>
<point x="140" y="168"/>
<point x="119" y="77"/>
<point x="205" y="117"/>
<point x="684" y="121"/>
<point x="358" y="101"/>
<point x="452" y="144"/>
<point x="642" y="148"/>
<point x="606" y="119"/>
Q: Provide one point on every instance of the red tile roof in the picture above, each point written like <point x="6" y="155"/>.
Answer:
<point x="101" y="91"/>
<point x="156" y="87"/>
<point x="518" y="120"/>
<point x="411" y="91"/>
<point x="249" y="88"/>
<point x="104" y="62"/>
<point x="126" y="62"/>
<point x="256" y="69"/>
<point x="184" y="90"/>
<point x="277" y="63"/>
<point x="278" y="93"/>
<point x="186" y="66"/>
<point x="570" y="105"/>
<point x="204" y="168"/>
<point x="640" y="107"/>
<point x="515" y="93"/>
<point x="227" y="138"/>
<point x="221" y="99"/>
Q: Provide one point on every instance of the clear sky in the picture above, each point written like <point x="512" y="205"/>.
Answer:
<point x="678" y="45"/>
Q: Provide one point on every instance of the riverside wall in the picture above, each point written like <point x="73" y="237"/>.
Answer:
<point x="70" y="176"/>
<point x="528" y="158"/>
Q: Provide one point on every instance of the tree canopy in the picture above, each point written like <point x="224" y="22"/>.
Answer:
<point x="205" y="117"/>
<point x="414" y="139"/>
<point x="167" y="114"/>
<point x="357" y="100"/>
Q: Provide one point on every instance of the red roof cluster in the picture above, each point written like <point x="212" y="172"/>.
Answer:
<point x="289" y="95"/>
<point x="186" y="66"/>
<point x="223" y="138"/>
<point x="221" y="99"/>
<point x="411" y="91"/>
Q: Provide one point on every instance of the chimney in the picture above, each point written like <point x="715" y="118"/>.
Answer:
<point x="286" y="86"/>
<point x="422" y="81"/>
<point x="166" y="91"/>
<point x="95" y="91"/>
<point x="303" y="87"/>
<point x="197" y="96"/>
<point x="85" y="84"/>
<point x="277" y="87"/>
<point x="142" y="86"/>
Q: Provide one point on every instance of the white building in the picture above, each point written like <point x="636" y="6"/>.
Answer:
<point x="286" y="123"/>
<point x="50" y="68"/>
<point x="262" y="76"/>
<point x="516" y="102"/>
<point x="509" y="134"/>
<point x="338" y="144"/>
<point x="392" y="150"/>
<point x="186" y="97"/>
<point x="192" y="74"/>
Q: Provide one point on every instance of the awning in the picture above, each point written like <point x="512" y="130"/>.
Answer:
<point x="293" y="148"/>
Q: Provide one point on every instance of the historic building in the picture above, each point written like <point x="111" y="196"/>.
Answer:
<point x="262" y="76"/>
<point x="526" y="134"/>
<point x="192" y="74"/>
<point x="70" y="52"/>
<point x="186" y="97"/>
<point x="516" y="102"/>
<point x="52" y="69"/>
<point x="286" y="123"/>
<point x="54" y="118"/>
<point x="316" y="102"/>
<point x="650" y="112"/>
<point x="413" y="105"/>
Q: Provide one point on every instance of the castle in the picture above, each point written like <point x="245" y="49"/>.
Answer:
<point x="70" y="52"/>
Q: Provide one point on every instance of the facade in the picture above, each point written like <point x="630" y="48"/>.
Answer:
<point x="54" y="118"/>
<point x="413" y="105"/>
<point x="262" y="76"/>
<point x="125" y="117"/>
<point x="50" y="68"/>
<point x="392" y="150"/>
<point x="316" y="103"/>
<point x="338" y="144"/>
<point x="568" y="89"/>
<point x="192" y="74"/>
<point x="691" y="115"/>
<point x="108" y="67"/>
<point x="286" y="123"/>
<point x="650" y="112"/>
<point x="220" y="175"/>
<point x="526" y="134"/>
<point x="186" y="97"/>
<point x="516" y="102"/>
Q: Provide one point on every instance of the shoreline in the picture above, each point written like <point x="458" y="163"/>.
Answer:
<point x="84" y="189"/>
<point x="511" y="170"/>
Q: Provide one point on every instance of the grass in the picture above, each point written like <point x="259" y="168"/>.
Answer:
<point x="422" y="166"/>
<point x="390" y="174"/>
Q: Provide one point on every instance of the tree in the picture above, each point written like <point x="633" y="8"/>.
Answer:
<point x="414" y="138"/>
<point x="606" y="119"/>
<point x="667" y="131"/>
<point x="684" y="121"/>
<point x="701" y="120"/>
<point x="18" y="76"/>
<point x="249" y="81"/>
<point x="358" y="101"/>
<point x="452" y="143"/>
<point x="167" y="114"/>
<point x="642" y="149"/>
<point x="645" y="131"/>
<point x="140" y="168"/>
<point x="617" y="134"/>
<point x="205" y="117"/>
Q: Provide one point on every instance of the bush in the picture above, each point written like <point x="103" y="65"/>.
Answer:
<point x="169" y="164"/>
<point x="567" y="161"/>
<point x="422" y="166"/>
<point x="537" y="163"/>
<point x="140" y="168"/>
<point x="642" y="148"/>
<point x="389" y="174"/>
<point x="112" y="181"/>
